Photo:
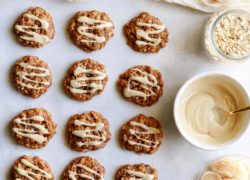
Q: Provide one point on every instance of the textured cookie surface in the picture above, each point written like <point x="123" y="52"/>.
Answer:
<point x="34" y="28"/>
<point x="146" y="33"/>
<point x="85" y="79"/>
<point x="31" y="76"/>
<point x="142" y="85"/>
<point x="137" y="171"/>
<point x="31" y="168"/>
<point x="88" y="131"/>
<point x="141" y="134"/>
<point x="90" y="30"/>
<point x="84" y="168"/>
<point x="33" y="128"/>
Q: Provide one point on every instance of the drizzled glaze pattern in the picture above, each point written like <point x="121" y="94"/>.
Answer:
<point x="30" y="33"/>
<point x="34" y="28"/>
<point x="146" y="34"/>
<point x="140" y="175"/>
<point x="31" y="76"/>
<point x="31" y="168"/>
<point x="84" y="168"/>
<point x="147" y="81"/>
<point x="137" y="172"/>
<point x="29" y="73"/>
<point x="33" y="128"/>
<point x="142" y="134"/>
<point x="88" y="131"/>
<point x="143" y="142"/>
<point x="90" y="30"/>
<point x="36" y="133"/>
<point x="85" y="79"/>
<point x="142" y="85"/>
<point x="92" y="24"/>
<point x="80" y="84"/>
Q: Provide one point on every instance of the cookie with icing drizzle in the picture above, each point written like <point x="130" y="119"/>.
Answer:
<point x="34" y="28"/>
<point x="85" y="79"/>
<point x="146" y="33"/>
<point x="88" y="131"/>
<point x="31" y="76"/>
<point x="31" y="168"/>
<point x="90" y="30"/>
<point x="33" y="128"/>
<point x="137" y="171"/>
<point x="141" y="85"/>
<point x="84" y="167"/>
<point x="141" y="134"/>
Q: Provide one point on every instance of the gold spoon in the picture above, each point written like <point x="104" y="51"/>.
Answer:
<point x="237" y="111"/>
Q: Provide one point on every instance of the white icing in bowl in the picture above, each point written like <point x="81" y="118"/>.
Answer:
<point x="225" y="135"/>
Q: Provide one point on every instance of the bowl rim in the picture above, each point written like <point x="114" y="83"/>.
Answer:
<point x="184" y="87"/>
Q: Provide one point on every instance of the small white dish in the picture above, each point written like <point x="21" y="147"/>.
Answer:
<point x="184" y="127"/>
<point x="244" y="167"/>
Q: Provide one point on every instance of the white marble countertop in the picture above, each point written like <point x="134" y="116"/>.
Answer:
<point x="181" y="59"/>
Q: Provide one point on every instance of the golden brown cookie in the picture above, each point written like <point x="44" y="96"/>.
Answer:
<point x="84" y="168"/>
<point x="90" y="30"/>
<point x="88" y="131"/>
<point x="85" y="79"/>
<point x="33" y="128"/>
<point x="141" y="85"/>
<point x="137" y="171"/>
<point x="31" y="76"/>
<point x="146" y="33"/>
<point x="34" y="28"/>
<point x="27" y="168"/>
<point x="141" y="134"/>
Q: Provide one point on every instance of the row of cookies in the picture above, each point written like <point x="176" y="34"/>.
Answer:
<point x="90" y="30"/>
<point x="83" y="167"/>
<point x="142" y="85"/>
<point x="34" y="128"/>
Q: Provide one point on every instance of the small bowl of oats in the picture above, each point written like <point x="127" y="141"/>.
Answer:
<point x="227" y="36"/>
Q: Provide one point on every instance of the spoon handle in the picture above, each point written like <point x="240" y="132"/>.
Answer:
<point x="240" y="110"/>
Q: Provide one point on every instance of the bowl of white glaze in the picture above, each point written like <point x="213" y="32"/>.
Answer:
<point x="201" y="106"/>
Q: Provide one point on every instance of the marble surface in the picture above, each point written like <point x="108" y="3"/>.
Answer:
<point x="181" y="59"/>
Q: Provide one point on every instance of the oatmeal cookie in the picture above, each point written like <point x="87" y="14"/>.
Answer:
<point x="141" y="134"/>
<point x="26" y="168"/>
<point x="84" y="168"/>
<point x="31" y="76"/>
<point x="146" y="33"/>
<point x="33" y="128"/>
<point x="34" y="28"/>
<point x="90" y="30"/>
<point x="136" y="171"/>
<point x="141" y="85"/>
<point x="88" y="131"/>
<point x="85" y="79"/>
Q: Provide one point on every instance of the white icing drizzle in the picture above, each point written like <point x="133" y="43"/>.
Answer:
<point x="26" y="76"/>
<point x="73" y="175"/>
<point x="79" y="85"/>
<point x="128" y="92"/>
<point x="140" y="175"/>
<point x="29" y="30"/>
<point x="146" y="34"/>
<point x="93" y="22"/>
<point x="88" y="133"/>
<point x="148" y="131"/>
<point x="27" y="173"/>
<point x="32" y="134"/>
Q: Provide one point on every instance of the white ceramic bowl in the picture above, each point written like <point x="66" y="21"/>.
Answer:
<point x="182" y="124"/>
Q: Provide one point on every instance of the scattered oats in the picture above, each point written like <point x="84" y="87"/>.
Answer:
<point x="232" y="35"/>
